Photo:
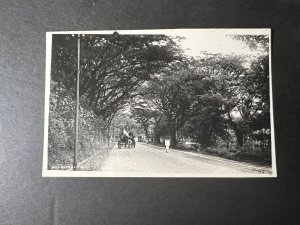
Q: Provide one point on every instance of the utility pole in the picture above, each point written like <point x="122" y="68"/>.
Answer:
<point x="77" y="104"/>
<point x="263" y="132"/>
<point x="113" y="123"/>
<point x="108" y="134"/>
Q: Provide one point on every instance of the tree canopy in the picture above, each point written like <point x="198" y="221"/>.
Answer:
<point x="112" y="67"/>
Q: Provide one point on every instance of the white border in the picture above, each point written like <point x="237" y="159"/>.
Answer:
<point x="256" y="31"/>
<point x="64" y="173"/>
<point x="274" y="165"/>
<point x="47" y="99"/>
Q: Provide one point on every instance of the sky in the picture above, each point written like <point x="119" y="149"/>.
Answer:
<point x="196" y="40"/>
<point x="215" y="41"/>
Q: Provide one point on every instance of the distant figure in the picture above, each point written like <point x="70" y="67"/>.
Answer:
<point x="167" y="144"/>
<point x="132" y="138"/>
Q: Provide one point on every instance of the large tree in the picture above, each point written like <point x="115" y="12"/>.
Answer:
<point x="209" y="96"/>
<point x="244" y="86"/>
<point x="112" y="67"/>
<point x="146" y="114"/>
<point x="168" y="92"/>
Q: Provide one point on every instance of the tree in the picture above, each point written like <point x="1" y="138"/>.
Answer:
<point x="255" y="42"/>
<point x="146" y="114"/>
<point x="123" y="120"/>
<point x="143" y="117"/>
<point x="212" y="84"/>
<point x="170" y="96"/>
<point x="113" y="67"/>
<point x="208" y="91"/>
<point x="61" y="128"/>
<point x="254" y="99"/>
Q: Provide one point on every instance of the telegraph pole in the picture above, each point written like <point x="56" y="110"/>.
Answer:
<point x="108" y="134"/>
<point x="77" y="103"/>
<point x="264" y="140"/>
<point x="113" y="123"/>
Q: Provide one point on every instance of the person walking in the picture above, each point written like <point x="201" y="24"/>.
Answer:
<point x="167" y="144"/>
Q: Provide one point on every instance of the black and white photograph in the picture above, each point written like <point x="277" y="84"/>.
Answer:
<point x="159" y="103"/>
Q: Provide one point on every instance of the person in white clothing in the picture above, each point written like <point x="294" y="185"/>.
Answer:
<point x="167" y="144"/>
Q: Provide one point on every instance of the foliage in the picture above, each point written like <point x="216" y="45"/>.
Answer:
<point x="255" y="41"/>
<point x="61" y="125"/>
<point x="123" y="120"/>
<point x="210" y="96"/>
<point x="112" y="67"/>
<point x="61" y="135"/>
<point x="143" y="116"/>
<point x="170" y="96"/>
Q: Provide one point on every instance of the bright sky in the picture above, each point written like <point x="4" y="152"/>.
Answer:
<point x="216" y="41"/>
<point x="213" y="43"/>
<point x="198" y="40"/>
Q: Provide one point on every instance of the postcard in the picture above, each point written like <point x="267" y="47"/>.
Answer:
<point x="159" y="103"/>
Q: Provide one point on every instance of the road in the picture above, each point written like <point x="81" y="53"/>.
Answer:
<point x="149" y="159"/>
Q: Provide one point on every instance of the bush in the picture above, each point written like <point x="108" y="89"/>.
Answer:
<point x="61" y="134"/>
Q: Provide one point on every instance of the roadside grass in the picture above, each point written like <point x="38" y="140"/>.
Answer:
<point x="63" y="159"/>
<point x="255" y="157"/>
<point x="96" y="161"/>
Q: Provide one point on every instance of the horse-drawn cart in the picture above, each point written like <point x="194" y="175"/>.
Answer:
<point x="126" y="140"/>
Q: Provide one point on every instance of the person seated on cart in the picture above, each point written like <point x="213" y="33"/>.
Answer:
<point x="132" y="138"/>
<point x="123" y="140"/>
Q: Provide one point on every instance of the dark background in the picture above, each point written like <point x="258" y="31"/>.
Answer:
<point x="27" y="198"/>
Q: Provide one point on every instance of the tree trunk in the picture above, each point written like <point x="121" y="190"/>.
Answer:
<point x="157" y="138"/>
<point x="146" y="131"/>
<point x="204" y="136"/>
<point x="157" y="134"/>
<point x="238" y="133"/>
<point x="239" y="137"/>
<point x="173" y="138"/>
